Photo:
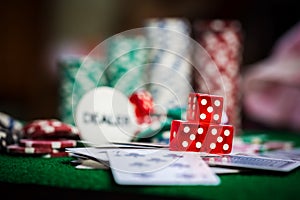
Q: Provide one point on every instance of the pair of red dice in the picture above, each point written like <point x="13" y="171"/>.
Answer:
<point x="203" y="131"/>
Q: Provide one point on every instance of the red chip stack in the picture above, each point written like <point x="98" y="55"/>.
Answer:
<point x="221" y="39"/>
<point x="47" y="138"/>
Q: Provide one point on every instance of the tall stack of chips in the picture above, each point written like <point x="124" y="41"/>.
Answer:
<point x="79" y="74"/>
<point x="222" y="41"/>
<point x="170" y="70"/>
<point x="126" y="57"/>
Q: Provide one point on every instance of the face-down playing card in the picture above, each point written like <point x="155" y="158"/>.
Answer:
<point x="159" y="167"/>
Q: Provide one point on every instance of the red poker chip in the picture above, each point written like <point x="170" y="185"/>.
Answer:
<point x="54" y="144"/>
<point x="16" y="149"/>
<point x="277" y="145"/>
<point x="50" y="128"/>
<point x="57" y="154"/>
<point x="143" y="104"/>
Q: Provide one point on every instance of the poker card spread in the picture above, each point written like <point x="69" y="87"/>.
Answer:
<point x="159" y="167"/>
<point x="133" y="166"/>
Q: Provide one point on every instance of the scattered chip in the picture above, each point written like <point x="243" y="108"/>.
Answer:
<point x="56" y="154"/>
<point x="16" y="149"/>
<point x="55" y="143"/>
<point x="10" y="123"/>
<point x="10" y="131"/>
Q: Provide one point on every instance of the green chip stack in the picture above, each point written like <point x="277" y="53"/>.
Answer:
<point x="127" y="57"/>
<point x="79" y="74"/>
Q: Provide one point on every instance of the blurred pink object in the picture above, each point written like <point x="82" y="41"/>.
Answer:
<point x="271" y="87"/>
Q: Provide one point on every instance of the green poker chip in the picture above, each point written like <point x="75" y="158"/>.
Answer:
<point x="177" y="113"/>
<point x="159" y="130"/>
<point x="255" y="139"/>
<point x="126" y="59"/>
<point x="154" y="130"/>
<point x="79" y="75"/>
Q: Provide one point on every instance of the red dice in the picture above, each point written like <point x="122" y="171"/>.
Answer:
<point x="204" y="137"/>
<point x="143" y="105"/>
<point x="204" y="108"/>
<point x="203" y="131"/>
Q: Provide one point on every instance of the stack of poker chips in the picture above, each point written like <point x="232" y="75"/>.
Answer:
<point x="222" y="41"/>
<point x="126" y="57"/>
<point x="170" y="70"/>
<point x="79" y="74"/>
<point x="45" y="138"/>
<point x="10" y="131"/>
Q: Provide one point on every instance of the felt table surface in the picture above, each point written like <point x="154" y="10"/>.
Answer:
<point x="40" y="177"/>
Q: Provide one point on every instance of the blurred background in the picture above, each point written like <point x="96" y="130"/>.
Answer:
<point x="34" y="33"/>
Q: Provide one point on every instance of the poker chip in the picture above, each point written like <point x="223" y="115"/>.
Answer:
<point x="244" y="148"/>
<point x="170" y="73"/>
<point x="161" y="138"/>
<point x="10" y="131"/>
<point x="16" y="149"/>
<point x="222" y="40"/>
<point x="154" y="132"/>
<point x="51" y="128"/>
<point x="44" y="152"/>
<point x="43" y="137"/>
<point x="126" y="55"/>
<point x="10" y="123"/>
<point x="56" y="154"/>
<point x="143" y="105"/>
<point x="278" y="145"/>
<point x="54" y="144"/>
<point x="105" y="115"/>
<point x="78" y="74"/>
<point x="254" y="139"/>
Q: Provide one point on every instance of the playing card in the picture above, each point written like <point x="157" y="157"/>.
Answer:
<point x="252" y="162"/>
<point x="99" y="152"/>
<point x="222" y="170"/>
<point x="159" y="167"/>
<point x="291" y="154"/>
<point x="91" y="164"/>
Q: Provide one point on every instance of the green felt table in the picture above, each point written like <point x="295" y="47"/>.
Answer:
<point x="57" y="177"/>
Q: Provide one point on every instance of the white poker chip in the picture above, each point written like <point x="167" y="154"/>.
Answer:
<point x="105" y="115"/>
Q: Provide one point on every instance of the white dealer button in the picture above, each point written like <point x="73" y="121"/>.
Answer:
<point x="105" y="115"/>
